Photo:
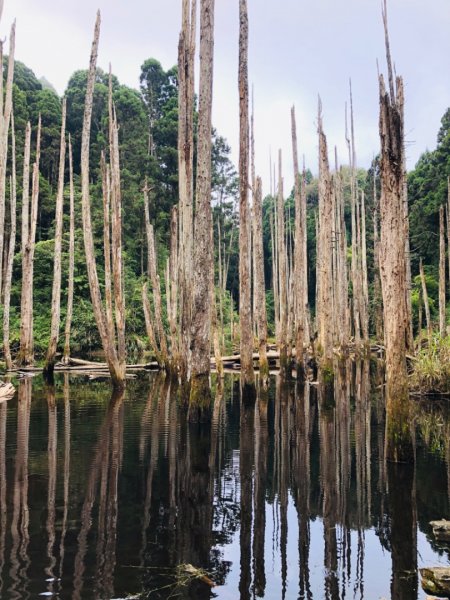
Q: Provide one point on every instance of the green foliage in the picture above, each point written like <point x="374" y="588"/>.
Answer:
<point x="432" y="367"/>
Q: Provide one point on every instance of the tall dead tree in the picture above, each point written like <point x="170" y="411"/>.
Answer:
<point x="324" y="308"/>
<point x="12" y="245"/>
<point x="29" y="221"/>
<point x="203" y="250"/>
<point x="245" y="309"/>
<point x="282" y="272"/>
<point x="70" y="285"/>
<point x="377" y="299"/>
<point x="426" y="302"/>
<point x="116" y="363"/>
<point x="399" y="445"/>
<point x="5" y="119"/>
<point x="186" y="55"/>
<point x="260" y="286"/>
<point x="152" y="267"/>
<point x="442" y="324"/>
<point x="300" y="265"/>
<point x="56" y="290"/>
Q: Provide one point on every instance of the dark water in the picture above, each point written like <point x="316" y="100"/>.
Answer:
<point x="106" y="497"/>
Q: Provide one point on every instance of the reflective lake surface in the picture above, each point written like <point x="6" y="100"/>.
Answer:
<point x="105" y="497"/>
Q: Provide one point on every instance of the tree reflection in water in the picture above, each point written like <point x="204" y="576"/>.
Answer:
<point x="125" y="495"/>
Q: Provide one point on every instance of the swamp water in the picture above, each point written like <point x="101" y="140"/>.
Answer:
<point x="104" y="497"/>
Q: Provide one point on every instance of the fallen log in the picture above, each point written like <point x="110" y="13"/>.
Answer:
<point x="436" y="581"/>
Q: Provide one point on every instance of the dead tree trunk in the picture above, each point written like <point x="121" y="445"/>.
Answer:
<point x="324" y="256"/>
<point x="426" y="302"/>
<point x="56" y="290"/>
<point x="260" y="286"/>
<point x="5" y="118"/>
<point x="245" y="309"/>
<point x="115" y="366"/>
<point x="12" y="245"/>
<point x="378" y="301"/>
<point x="300" y="266"/>
<point x="29" y="220"/>
<point x="203" y="250"/>
<point x="68" y="326"/>
<point x="186" y="54"/>
<point x="399" y="445"/>
<point x="156" y="286"/>
<point x="172" y="287"/>
<point x="282" y="265"/>
<point x="442" y="324"/>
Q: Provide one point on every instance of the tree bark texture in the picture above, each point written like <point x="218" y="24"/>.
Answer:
<point x="5" y="119"/>
<point x="442" y="323"/>
<point x="186" y="55"/>
<point x="324" y="254"/>
<point x="12" y="245"/>
<point x="56" y="289"/>
<point x="69" y="314"/>
<point x="29" y="220"/>
<point x="116" y="369"/>
<point x="300" y="266"/>
<point x="245" y="310"/>
<point x="393" y="266"/>
<point x="282" y="272"/>
<point x="203" y="249"/>
<point x="260" y="286"/>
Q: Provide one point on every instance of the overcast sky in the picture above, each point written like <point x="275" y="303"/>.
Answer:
<point x="298" y="49"/>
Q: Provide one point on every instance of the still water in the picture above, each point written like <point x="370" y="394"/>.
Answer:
<point x="105" y="497"/>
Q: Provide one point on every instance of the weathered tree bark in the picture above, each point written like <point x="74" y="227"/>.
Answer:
<point x="300" y="266"/>
<point x="116" y="232"/>
<point x="378" y="301"/>
<point x="56" y="290"/>
<point x="29" y="220"/>
<point x="282" y="268"/>
<point x="172" y="287"/>
<point x="364" y="275"/>
<point x="12" y="245"/>
<point x="399" y="446"/>
<point x="155" y="282"/>
<point x="448" y="225"/>
<point x="69" y="314"/>
<point x="426" y="302"/>
<point x="260" y="286"/>
<point x="442" y="324"/>
<point x="324" y="256"/>
<point x="5" y="119"/>
<point x="115" y="366"/>
<point x="186" y="55"/>
<point x="200" y="394"/>
<point x="245" y="309"/>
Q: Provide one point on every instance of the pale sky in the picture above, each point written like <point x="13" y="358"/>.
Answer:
<point x="298" y="49"/>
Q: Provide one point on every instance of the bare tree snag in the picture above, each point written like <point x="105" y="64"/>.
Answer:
<point x="172" y="287"/>
<point x="448" y="224"/>
<point x="5" y="119"/>
<point x="260" y="286"/>
<point x="186" y="55"/>
<point x="442" y="324"/>
<point x="324" y="255"/>
<point x="300" y="266"/>
<point x="200" y="393"/>
<point x="116" y="368"/>
<point x="70" y="276"/>
<point x="399" y="447"/>
<point x="282" y="262"/>
<point x="426" y="302"/>
<point x="56" y="290"/>
<point x="12" y="245"/>
<point x="378" y="301"/>
<point x="156" y="285"/>
<point x="29" y="220"/>
<point x="245" y="309"/>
